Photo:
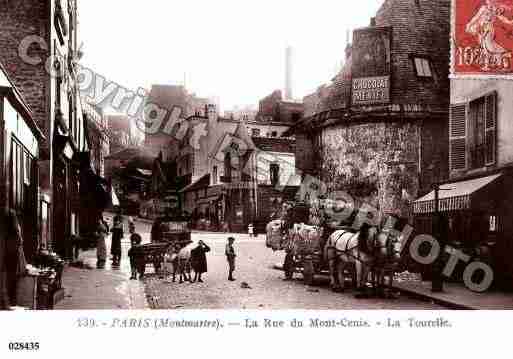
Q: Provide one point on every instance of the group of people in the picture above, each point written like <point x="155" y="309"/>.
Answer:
<point x="198" y="259"/>
<point x="101" y="233"/>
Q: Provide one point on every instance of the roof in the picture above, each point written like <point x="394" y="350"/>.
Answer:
<point x="275" y="144"/>
<point x="453" y="196"/>
<point x="201" y="183"/>
<point x="128" y="154"/>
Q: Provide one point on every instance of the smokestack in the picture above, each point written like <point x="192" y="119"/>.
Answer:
<point x="288" y="73"/>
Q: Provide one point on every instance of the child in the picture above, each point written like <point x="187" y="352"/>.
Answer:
<point x="117" y="236"/>
<point x="230" y="256"/>
<point x="135" y="240"/>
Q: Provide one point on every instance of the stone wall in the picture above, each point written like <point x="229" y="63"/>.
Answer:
<point x="375" y="163"/>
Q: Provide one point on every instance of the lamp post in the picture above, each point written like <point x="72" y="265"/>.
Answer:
<point x="437" y="268"/>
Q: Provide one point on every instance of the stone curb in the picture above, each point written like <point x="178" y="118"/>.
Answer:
<point x="411" y="293"/>
<point x="443" y="302"/>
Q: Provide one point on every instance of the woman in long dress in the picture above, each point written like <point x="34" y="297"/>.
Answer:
<point x="199" y="260"/>
<point x="101" y="248"/>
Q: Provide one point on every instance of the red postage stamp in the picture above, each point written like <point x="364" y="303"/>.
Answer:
<point x="483" y="42"/>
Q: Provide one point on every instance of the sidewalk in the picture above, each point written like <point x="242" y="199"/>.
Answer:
<point x="457" y="296"/>
<point x="95" y="289"/>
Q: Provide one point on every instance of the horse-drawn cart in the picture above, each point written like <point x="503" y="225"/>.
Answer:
<point x="305" y="252"/>
<point x="173" y="235"/>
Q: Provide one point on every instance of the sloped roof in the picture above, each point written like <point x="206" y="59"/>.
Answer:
<point x="202" y="182"/>
<point x="275" y="144"/>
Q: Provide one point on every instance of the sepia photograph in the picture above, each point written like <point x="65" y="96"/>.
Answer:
<point x="256" y="156"/>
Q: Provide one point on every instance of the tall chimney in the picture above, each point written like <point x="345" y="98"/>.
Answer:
<point x="288" y="73"/>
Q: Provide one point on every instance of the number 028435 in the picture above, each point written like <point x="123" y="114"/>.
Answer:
<point x="23" y="346"/>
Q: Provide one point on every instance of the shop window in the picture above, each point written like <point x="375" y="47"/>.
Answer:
<point x="423" y="67"/>
<point x="21" y="164"/>
<point x="274" y="134"/>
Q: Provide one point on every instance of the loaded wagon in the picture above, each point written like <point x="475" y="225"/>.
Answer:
<point x="302" y="243"/>
<point x="305" y="252"/>
<point x="173" y="233"/>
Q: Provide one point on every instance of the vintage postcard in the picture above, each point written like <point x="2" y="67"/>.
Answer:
<point x="305" y="167"/>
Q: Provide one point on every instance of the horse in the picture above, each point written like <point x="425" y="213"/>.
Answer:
<point x="366" y="249"/>
<point x="181" y="262"/>
<point x="386" y="265"/>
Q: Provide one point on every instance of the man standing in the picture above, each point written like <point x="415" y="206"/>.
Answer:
<point x="230" y="256"/>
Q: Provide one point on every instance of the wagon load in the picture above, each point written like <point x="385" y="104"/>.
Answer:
<point x="305" y="239"/>
<point x="274" y="235"/>
<point x="176" y="233"/>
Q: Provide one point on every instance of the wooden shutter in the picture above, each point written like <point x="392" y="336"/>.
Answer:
<point x="490" y="128"/>
<point x="458" y="137"/>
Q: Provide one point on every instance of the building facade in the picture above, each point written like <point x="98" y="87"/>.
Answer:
<point x="20" y="139"/>
<point x="382" y="128"/>
<point x="241" y="179"/>
<point x="39" y="41"/>
<point x="477" y="197"/>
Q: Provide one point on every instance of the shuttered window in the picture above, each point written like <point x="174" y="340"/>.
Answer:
<point x="490" y="128"/>
<point x="458" y="137"/>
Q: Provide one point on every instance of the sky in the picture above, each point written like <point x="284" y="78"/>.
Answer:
<point x="230" y="49"/>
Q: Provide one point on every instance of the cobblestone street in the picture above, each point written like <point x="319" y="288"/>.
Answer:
<point x="111" y="288"/>
<point x="267" y="289"/>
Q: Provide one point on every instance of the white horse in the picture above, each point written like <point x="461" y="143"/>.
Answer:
<point x="366" y="250"/>
<point x="181" y="262"/>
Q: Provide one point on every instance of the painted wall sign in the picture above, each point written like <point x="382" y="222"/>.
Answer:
<point x="371" y="65"/>
<point x="483" y="37"/>
<point x="371" y="90"/>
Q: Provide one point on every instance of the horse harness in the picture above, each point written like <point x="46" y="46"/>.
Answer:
<point x="388" y="245"/>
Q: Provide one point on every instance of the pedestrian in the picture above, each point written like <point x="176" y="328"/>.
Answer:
<point x="199" y="260"/>
<point x="135" y="240"/>
<point x="117" y="235"/>
<point x="102" y="229"/>
<point x="230" y="256"/>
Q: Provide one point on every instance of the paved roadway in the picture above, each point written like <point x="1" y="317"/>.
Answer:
<point x="255" y="267"/>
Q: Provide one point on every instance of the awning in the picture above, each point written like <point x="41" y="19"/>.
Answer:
<point x="453" y="196"/>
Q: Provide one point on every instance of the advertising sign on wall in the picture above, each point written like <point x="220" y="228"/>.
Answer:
<point x="371" y="65"/>
<point x="482" y="37"/>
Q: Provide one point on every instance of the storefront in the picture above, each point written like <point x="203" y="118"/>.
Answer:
<point x="94" y="197"/>
<point x="479" y="216"/>
<point x="20" y="140"/>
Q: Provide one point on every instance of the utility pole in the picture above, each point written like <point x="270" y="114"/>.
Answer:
<point x="437" y="284"/>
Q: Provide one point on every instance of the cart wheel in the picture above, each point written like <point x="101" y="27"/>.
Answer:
<point x="308" y="272"/>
